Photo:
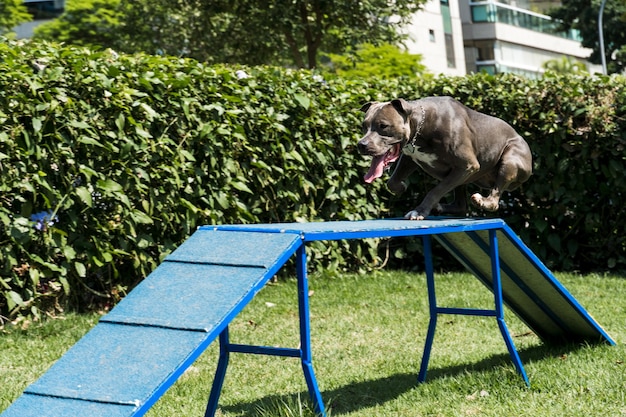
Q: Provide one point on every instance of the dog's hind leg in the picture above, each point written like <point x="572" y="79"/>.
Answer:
<point x="515" y="168"/>
<point x="489" y="203"/>
<point x="505" y="177"/>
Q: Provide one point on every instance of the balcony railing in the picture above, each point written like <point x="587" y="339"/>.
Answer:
<point x="494" y="12"/>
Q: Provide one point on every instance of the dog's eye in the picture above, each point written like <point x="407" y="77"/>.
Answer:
<point x="383" y="126"/>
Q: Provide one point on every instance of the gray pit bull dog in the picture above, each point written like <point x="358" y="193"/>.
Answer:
<point x="449" y="141"/>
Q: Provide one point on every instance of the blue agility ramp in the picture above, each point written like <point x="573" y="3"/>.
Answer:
<point x="137" y="351"/>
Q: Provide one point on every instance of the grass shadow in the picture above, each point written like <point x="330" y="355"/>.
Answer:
<point x="342" y="400"/>
<point x="367" y="394"/>
<point x="527" y="355"/>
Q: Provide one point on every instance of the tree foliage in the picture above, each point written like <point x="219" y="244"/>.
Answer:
<point x="385" y="61"/>
<point x="94" y="23"/>
<point x="249" y="32"/>
<point x="583" y="15"/>
<point x="12" y="13"/>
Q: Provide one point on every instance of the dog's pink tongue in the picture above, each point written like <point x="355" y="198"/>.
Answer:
<point x="376" y="169"/>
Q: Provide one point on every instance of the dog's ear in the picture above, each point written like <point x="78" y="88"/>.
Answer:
<point x="366" y="106"/>
<point x="401" y="106"/>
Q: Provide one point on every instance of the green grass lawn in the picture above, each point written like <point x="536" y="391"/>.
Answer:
<point x="368" y="334"/>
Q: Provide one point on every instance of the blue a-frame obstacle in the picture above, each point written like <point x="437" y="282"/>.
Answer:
<point x="137" y="351"/>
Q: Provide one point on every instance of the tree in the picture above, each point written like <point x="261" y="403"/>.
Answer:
<point x="583" y="15"/>
<point x="253" y="32"/>
<point x="12" y="13"/>
<point x="93" y="23"/>
<point x="385" y="61"/>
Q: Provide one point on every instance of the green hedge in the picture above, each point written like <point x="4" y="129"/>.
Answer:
<point x="109" y="162"/>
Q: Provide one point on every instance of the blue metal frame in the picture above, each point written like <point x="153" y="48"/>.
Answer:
<point x="305" y="333"/>
<point x="497" y="290"/>
<point x="498" y="311"/>
<point x="305" y="353"/>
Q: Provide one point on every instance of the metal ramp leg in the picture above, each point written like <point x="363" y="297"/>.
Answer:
<point x="305" y="332"/>
<point x="432" y="305"/>
<point x="497" y="291"/>
<point x="498" y="311"/>
<point x="220" y="373"/>
<point x="304" y="352"/>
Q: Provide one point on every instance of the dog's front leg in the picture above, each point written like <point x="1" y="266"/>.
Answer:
<point x="456" y="178"/>
<point x="404" y="167"/>
<point x="458" y="205"/>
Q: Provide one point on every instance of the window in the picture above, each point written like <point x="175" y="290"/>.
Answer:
<point x="447" y="30"/>
<point x="485" y="50"/>
<point x="496" y="12"/>
<point x="450" y="51"/>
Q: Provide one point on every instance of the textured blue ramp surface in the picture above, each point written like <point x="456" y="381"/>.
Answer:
<point x="34" y="405"/>
<point x="117" y="364"/>
<point x="187" y="296"/>
<point x="361" y="229"/>
<point x="249" y="249"/>
<point x="137" y="351"/>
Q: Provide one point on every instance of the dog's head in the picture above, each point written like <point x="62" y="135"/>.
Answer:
<point x="386" y="130"/>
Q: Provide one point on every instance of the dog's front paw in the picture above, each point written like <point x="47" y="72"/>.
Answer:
<point x="414" y="215"/>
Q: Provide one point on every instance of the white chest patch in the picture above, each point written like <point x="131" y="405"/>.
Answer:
<point x="418" y="156"/>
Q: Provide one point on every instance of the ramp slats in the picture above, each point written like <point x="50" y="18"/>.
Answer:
<point x="518" y="298"/>
<point x="92" y="369"/>
<point x="186" y="296"/>
<point x="577" y="323"/>
<point x="248" y="249"/>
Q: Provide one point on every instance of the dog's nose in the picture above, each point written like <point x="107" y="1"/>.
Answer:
<point x="362" y="146"/>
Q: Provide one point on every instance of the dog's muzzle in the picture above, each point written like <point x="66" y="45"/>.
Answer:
<point x="382" y="161"/>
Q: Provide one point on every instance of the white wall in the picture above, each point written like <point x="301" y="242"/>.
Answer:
<point x="433" y="49"/>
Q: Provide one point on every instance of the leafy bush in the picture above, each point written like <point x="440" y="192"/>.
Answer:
<point x="109" y="162"/>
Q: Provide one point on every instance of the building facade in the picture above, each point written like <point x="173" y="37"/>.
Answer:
<point x="491" y="36"/>
<point x="436" y="33"/>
